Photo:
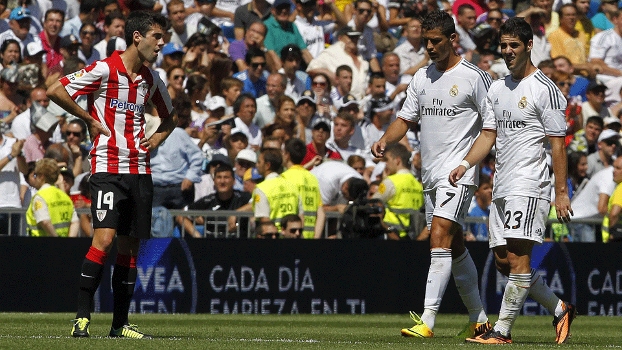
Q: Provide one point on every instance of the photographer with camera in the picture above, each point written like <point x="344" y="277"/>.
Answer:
<point x="400" y="190"/>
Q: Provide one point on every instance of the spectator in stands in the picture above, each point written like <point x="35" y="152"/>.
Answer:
<point x="50" y="39"/>
<point x="569" y="42"/>
<point x="231" y="89"/>
<point x="333" y="178"/>
<point x="176" y="167"/>
<point x="175" y="77"/>
<point x="363" y="13"/>
<point x="412" y="52"/>
<point x="10" y="53"/>
<point x="344" y="127"/>
<point x="478" y="231"/>
<point x="44" y="125"/>
<point x="251" y="179"/>
<point x="541" y="47"/>
<point x="19" y="28"/>
<point x="399" y="190"/>
<point x="308" y="189"/>
<point x="579" y="83"/>
<point x="254" y="37"/>
<point x="591" y="202"/>
<point x="246" y="159"/>
<point x="577" y="172"/>
<point x="253" y="77"/>
<point x="21" y="125"/>
<point x="225" y="198"/>
<point x="584" y="25"/>
<point x="114" y="25"/>
<point x="267" y="230"/>
<point x="305" y="110"/>
<point x="317" y="152"/>
<point x="321" y="86"/>
<point x="614" y="207"/>
<point x="266" y="104"/>
<point x="395" y="86"/>
<point x="245" y="15"/>
<point x="90" y="10"/>
<point x="343" y="83"/>
<point x="381" y="111"/>
<point x="585" y="140"/>
<point x="82" y="199"/>
<point x="180" y="32"/>
<point x="282" y="31"/>
<point x="244" y="109"/>
<point x="608" y="146"/>
<point x="465" y="21"/>
<point x="344" y="51"/>
<point x="603" y="19"/>
<point x="291" y="227"/>
<point x="297" y="80"/>
<point x="275" y="197"/>
<point x="595" y="104"/>
<point x="11" y="164"/>
<point x="605" y="50"/>
<point x="235" y="143"/>
<point x="197" y="89"/>
<point x="75" y="136"/>
<point x="11" y="102"/>
<point x="88" y="35"/>
<point x="69" y="46"/>
<point x="312" y="30"/>
<point x="51" y="211"/>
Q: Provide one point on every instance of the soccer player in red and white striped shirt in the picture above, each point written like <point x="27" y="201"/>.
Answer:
<point x="119" y="89"/>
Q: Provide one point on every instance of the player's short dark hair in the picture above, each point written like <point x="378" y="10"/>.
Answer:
<point x="238" y="103"/>
<point x="289" y="218"/>
<point x="438" y="19"/>
<point x="518" y="27"/>
<point x="397" y="150"/>
<point x="253" y="52"/>
<point x="595" y="119"/>
<point x="296" y="149"/>
<point x="224" y="168"/>
<point x="273" y="157"/>
<point x="142" y="21"/>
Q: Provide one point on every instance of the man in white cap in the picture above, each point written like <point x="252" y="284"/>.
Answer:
<point x="246" y="159"/>
<point x="608" y="144"/>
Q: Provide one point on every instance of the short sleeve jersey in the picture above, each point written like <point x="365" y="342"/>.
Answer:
<point x="523" y="113"/>
<point x="119" y="104"/>
<point x="449" y="107"/>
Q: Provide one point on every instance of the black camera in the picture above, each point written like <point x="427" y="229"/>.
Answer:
<point x="363" y="219"/>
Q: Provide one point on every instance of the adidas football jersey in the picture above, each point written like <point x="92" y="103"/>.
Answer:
<point x="449" y="107"/>
<point x="523" y="113"/>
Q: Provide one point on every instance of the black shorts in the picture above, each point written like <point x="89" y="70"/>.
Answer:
<point x="122" y="202"/>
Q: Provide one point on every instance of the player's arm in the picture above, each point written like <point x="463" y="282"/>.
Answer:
<point x="481" y="147"/>
<point x="560" y="169"/>
<point x="394" y="133"/>
<point x="60" y="96"/>
<point x="166" y="127"/>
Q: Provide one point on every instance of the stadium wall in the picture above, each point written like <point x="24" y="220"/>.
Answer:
<point x="286" y="276"/>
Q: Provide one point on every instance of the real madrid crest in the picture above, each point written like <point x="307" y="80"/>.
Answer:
<point x="453" y="92"/>
<point x="522" y="103"/>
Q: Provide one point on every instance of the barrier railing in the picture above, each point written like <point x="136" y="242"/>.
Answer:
<point x="213" y="219"/>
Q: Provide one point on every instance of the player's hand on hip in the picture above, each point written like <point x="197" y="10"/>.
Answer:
<point x="456" y="175"/>
<point x="377" y="149"/>
<point x="149" y="143"/>
<point x="96" y="128"/>
<point x="562" y="208"/>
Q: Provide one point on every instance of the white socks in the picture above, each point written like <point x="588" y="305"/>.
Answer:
<point x="438" y="277"/>
<point x="516" y="292"/>
<point x="465" y="276"/>
<point x="542" y="294"/>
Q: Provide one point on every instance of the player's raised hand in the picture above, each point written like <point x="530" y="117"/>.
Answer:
<point x="563" y="208"/>
<point x="456" y="174"/>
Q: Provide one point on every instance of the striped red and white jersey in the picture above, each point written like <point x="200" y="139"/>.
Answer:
<point x="119" y="104"/>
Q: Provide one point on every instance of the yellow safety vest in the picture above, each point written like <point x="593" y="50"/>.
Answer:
<point x="60" y="207"/>
<point x="282" y="198"/>
<point x="309" y="191"/>
<point x="408" y="195"/>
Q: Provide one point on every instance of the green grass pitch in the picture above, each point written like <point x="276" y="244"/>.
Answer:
<point x="183" y="331"/>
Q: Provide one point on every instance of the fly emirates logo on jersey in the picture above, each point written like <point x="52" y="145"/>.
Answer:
<point x="438" y="109"/>
<point x="508" y="123"/>
<point x="127" y="106"/>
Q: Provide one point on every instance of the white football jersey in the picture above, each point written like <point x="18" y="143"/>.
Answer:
<point x="449" y="106"/>
<point x="523" y="113"/>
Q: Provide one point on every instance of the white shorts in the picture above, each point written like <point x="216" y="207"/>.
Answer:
<point x="517" y="217"/>
<point x="448" y="202"/>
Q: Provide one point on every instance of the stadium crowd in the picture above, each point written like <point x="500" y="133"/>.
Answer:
<point x="280" y="102"/>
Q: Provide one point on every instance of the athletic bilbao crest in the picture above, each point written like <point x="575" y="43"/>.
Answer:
<point x="101" y="214"/>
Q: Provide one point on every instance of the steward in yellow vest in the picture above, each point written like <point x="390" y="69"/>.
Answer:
<point x="51" y="211"/>
<point x="274" y="197"/>
<point x="400" y="190"/>
<point x="308" y="188"/>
